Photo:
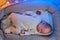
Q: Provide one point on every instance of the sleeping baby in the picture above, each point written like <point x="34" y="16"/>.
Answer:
<point x="24" y="24"/>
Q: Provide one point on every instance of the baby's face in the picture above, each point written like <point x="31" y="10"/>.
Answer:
<point x="43" y="28"/>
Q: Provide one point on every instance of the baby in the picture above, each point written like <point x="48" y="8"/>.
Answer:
<point x="42" y="27"/>
<point x="24" y="23"/>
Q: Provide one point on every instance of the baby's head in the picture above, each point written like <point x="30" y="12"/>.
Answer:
<point x="44" y="27"/>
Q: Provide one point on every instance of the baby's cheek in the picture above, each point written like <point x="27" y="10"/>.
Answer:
<point x="46" y="30"/>
<point x="39" y="29"/>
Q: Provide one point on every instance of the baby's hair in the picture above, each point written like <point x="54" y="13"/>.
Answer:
<point x="46" y="24"/>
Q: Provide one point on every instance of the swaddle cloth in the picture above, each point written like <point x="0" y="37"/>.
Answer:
<point x="30" y="23"/>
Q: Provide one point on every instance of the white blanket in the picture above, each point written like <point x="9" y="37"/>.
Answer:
<point x="30" y="22"/>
